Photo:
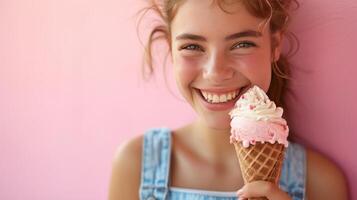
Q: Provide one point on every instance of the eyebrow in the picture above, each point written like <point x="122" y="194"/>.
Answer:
<point x="247" y="33"/>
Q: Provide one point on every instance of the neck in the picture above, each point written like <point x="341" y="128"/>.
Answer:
<point x="214" y="142"/>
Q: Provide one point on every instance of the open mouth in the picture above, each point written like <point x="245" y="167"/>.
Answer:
<point x="221" y="98"/>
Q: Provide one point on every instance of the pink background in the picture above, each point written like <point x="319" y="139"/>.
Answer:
<point x="70" y="92"/>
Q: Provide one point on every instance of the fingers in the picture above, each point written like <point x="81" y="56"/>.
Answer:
<point x="256" y="189"/>
<point x="262" y="189"/>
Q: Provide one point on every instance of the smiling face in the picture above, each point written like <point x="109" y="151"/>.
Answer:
<point x="216" y="55"/>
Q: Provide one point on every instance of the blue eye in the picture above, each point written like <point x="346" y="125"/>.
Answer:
<point x="244" y="44"/>
<point x="191" y="47"/>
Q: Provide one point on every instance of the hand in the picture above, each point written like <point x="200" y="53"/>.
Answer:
<point x="262" y="189"/>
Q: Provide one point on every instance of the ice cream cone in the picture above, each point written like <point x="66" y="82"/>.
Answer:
<point x="259" y="134"/>
<point x="260" y="162"/>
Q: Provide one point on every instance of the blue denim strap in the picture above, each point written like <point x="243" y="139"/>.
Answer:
<point x="293" y="176"/>
<point x="155" y="164"/>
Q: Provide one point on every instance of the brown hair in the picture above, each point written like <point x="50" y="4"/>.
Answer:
<point x="276" y="13"/>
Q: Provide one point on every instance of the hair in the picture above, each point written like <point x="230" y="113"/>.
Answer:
<point x="275" y="13"/>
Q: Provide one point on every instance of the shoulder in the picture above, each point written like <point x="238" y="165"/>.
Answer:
<point x="324" y="175"/>
<point x="126" y="170"/>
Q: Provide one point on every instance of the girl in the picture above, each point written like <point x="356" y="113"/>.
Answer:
<point x="219" y="48"/>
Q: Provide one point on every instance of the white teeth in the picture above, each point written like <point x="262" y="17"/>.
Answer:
<point x="205" y="94"/>
<point x="233" y="94"/>
<point x="216" y="98"/>
<point x="223" y="98"/>
<point x="209" y="97"/>
<point x="229" y="96"/>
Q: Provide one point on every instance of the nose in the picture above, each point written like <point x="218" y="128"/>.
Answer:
<point x="217" y="68"/>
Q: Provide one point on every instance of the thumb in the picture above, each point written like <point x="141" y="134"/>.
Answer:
<point x="255" y="189"/>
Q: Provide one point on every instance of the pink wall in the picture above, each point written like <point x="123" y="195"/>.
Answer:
<point x="323" y="112"/>
<point x="70" y="92"/>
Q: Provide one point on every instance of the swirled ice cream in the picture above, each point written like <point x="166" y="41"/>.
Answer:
<point x="255" y="118"/>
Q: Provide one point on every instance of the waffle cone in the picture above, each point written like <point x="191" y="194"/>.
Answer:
<point x="260" y="162"/>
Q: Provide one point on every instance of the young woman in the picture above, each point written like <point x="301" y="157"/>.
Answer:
<point x="219" y="48"/>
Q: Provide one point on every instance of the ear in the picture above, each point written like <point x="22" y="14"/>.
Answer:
<point x="277" y="43"/>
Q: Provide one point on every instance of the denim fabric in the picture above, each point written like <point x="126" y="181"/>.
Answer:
<point x="156" y="165"/>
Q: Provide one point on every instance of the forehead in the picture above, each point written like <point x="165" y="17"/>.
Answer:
<point x="204" y="16"/>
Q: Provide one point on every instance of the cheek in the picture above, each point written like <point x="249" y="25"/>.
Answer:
<point x="256" y="68"/>
<point x="186" y="69"/>
<point x="185" y="73"/>
<point x="254" y="64"/>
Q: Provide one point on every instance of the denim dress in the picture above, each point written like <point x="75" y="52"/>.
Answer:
<point x="156" y="164"/>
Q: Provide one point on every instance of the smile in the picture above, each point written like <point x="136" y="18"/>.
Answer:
<point x="219" y="98"/>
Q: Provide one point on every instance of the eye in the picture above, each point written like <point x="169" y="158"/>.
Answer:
<point x="192" y="47"/>
<point x="244" y="44"/>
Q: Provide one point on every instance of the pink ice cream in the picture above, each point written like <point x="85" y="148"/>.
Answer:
<point x="257" y="119"/>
